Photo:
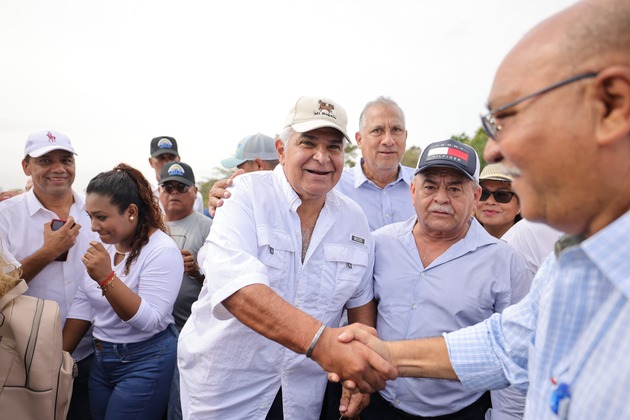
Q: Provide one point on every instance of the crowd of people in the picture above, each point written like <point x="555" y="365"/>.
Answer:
<point x="306" y="290"/>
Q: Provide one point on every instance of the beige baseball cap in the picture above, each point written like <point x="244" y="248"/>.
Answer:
<point x="313" y="112"/>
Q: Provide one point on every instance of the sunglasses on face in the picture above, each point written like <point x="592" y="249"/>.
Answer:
<point x="499" y="196"/>
<point x="181" y="188"/>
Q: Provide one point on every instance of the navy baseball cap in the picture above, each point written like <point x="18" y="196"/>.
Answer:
<point x="450" y="154"/>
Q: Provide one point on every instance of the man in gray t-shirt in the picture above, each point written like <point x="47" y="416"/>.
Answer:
<point x="187" y="227"/>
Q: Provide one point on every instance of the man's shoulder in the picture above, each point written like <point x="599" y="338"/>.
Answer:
<point x="13" y="202"/>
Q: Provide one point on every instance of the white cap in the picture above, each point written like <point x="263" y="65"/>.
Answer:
<point x="42" y="142"/>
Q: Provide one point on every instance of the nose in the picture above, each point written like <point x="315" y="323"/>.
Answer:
<point x="442" y="195"/>
<point x="94" y="225"/>
<point x="492" y="151"/>
<point x="57" y="166"/>
<point x="388" y="139"/>
<point x="321" y="154"/>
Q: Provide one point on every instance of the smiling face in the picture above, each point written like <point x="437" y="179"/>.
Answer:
<point x="382" y="140"/>
<point x="106" y="220"/>
<point x="547" y="142"/>
<point x="444" y="199"/>
<point x="52" y="174"/>
<point x="312" y="162"/>
<point x="493" y="214"/>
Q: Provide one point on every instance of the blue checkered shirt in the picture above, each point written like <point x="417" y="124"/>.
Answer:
<point x="571" y="332"/>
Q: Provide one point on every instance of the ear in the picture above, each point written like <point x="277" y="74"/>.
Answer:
<point x="132" y="211"/>
<point x="613" y="106"/>
<point x="281" y="151"/>
<point x="412" y="188"/>
<point x="476" y="192"/>
<point x="151" y="162"/>
<point x="260" y="164"/>
<point x="26" y="168"/>
<point x="357" y="137"/>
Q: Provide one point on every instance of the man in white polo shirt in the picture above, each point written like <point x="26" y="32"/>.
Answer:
<point x="286" y="253"/>
<point x="51" y="259"/>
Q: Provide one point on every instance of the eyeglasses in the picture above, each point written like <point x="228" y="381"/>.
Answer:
<point x="181" y="188"/>
<point x="488" y="122"/>
<point x="499" y="196"/>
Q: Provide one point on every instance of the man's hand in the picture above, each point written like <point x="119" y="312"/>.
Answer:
<point x="353" y="361"/>
<point x="219" y="191"/>
<point x="352" y="403"/>
<point x="56" y="242"/>
<point x="191" y="268"/>
<point x="367" y="336"/>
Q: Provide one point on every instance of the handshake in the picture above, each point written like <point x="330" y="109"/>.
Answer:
<point x="355" y="356"/>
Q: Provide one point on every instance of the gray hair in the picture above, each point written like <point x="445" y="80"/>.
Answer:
<point x="288" y="132"/>
<point x="381" y="100"/>
<point x="286" y="135"/>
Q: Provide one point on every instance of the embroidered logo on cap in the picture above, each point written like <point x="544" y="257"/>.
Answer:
<point x="325" y="109"/>
<point x="165" y="143"/>
<point x="51" y="138"/>
<point x="449" y="152"/>
<point x="176" y="170"/>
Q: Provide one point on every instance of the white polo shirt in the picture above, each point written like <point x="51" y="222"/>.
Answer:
<point x="227" y="370"/>
<point x="22" y="220"/>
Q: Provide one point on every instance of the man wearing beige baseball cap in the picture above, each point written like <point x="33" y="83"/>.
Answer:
<point x="286" y="254"/>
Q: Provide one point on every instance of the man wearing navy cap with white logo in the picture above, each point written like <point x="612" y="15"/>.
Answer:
<point x="189" y="229"/>
<point x="437" y="272"/>
<point x="163" y="150"/>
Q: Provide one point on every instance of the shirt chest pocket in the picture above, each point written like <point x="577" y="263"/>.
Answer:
<point x="342" y="270"/>
<point x="275" y="251"/>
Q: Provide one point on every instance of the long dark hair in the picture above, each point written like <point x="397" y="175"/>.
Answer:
<point x="124" y="186"/>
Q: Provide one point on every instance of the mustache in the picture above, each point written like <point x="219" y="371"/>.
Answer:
<point x="513" y="172"/>
<point x="441" y="209"/>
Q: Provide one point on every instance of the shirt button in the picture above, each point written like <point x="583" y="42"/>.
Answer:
<point x="421" y="274"/>
<point x="387" y="215"/>
<point x="397" y="401"/>
<point x="414" y="306"/>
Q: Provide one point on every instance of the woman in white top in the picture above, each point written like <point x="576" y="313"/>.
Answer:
<point x="132" y="281"/>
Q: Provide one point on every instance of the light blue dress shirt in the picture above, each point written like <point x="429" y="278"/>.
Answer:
<point x="571" y="334"/>
<point x="473" y="279"/>
<point x="382" y="206"/>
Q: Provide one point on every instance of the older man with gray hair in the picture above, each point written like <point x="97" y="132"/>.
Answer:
<point x="286" y="254"/>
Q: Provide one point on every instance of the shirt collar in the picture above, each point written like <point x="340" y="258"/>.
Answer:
<point x="292" y="199"/>
<point x="34" y="205"/>
<point x="360" y="178"/>
<point x="608" y="250"/>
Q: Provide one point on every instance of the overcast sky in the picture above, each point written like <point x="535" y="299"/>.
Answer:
<point x="114" y="74"/>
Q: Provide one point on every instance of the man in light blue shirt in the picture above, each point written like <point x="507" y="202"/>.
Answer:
<point x="437" y="272"/>
<point x="560" y="121"/>
<point x="380" y="184"/>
